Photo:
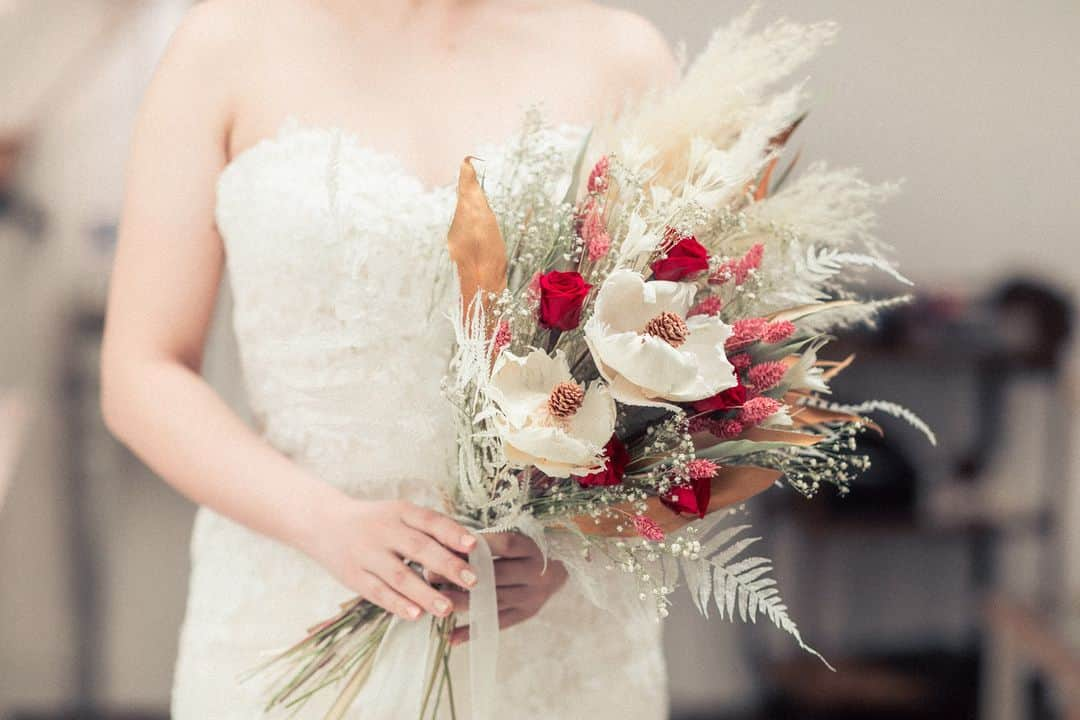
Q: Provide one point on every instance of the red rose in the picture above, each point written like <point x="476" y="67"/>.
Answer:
<point x="561" y="296"/>
<point x="685" y="257"/>
<point x="729" y="399"/>
<point x="614" y="466"/>
<point x="693" y="497"/>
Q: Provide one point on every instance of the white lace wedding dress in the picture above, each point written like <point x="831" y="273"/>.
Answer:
<point x="333" y="250"/>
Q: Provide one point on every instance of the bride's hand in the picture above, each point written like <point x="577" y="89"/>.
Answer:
<point x="522" y="584"/>
<point x="365" y="545"/>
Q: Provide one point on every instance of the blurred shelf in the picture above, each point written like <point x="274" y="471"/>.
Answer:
<point x="1022" y="640"/>
<point x="82" y="715"/>
<point x="816" y="520"/>
<point x="924" y="686"/>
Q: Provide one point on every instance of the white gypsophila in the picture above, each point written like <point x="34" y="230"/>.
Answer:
<point x="644" y="368"/>
<point x="573" y="444"/>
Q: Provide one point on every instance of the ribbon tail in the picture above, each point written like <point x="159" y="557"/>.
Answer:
<point x="483" y="633"/>
<point x="395" y="687"/>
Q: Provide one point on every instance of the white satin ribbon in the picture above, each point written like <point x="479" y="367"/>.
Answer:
<point x="483" y="632"/>
<point x="395" y="688"/>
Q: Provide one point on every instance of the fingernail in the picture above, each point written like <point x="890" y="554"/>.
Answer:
<point x="442" y="606"/>
<point x="468" y="541"/>
<point x="468" y="577"/>
<point x="413" y="612"/>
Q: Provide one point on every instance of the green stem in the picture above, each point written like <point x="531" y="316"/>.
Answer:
<point x="449" y="685"/>
<point x="349" y="693"/>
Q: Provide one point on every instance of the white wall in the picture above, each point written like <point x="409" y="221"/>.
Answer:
<point x="973" y="102"/>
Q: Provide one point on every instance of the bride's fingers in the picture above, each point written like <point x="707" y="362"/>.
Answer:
<point x="507" y="618"/>
<point x="374" y="590"/>
<point x="459" y="598"/>
<point x="520" y="571"/>
<point x="420" y="548"/>
<point x="405" y="581"/>
<point x="448" y="532"/>
<point x="517" y="596"/>
<point x="441" y="581"/>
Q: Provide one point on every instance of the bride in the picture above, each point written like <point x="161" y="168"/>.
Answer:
<point x="310" y="146"/>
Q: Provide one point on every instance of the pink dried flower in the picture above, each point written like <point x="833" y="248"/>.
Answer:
<point x="598" y="176"/>
<point x="700" y="423"/>
<point x="594" y="234"/>
<point x="712" y="305"/>
<point x="738" y="269"/>
<point x="767" y="375"/>
<point x="745" y="332"/>
<point x="724" y="271"/>
<point x="778" y="331"/>
<point x="702" y="469"/>
<point x="648" y="529"/>
<point x="502" y="337"/>
<point x="532" y="291"/>
<point x="728" y="429"/>
<point x="724" y="429"/>
<point x="741" y="362"/>
<point x="752" y="259"/>
<point x="755" y="410"/>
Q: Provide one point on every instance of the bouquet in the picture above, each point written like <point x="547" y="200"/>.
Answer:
<point x="656" y="358"/>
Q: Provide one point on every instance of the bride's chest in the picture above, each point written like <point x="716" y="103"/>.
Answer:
<point x="316" y="206"/>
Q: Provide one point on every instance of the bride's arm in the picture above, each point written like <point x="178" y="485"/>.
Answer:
<point x="164" y="283"/>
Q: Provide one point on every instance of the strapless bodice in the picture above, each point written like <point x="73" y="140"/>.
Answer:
<point x="337" y="262"/>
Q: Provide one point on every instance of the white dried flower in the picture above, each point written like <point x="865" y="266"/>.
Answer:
<point x="541" y="424"/>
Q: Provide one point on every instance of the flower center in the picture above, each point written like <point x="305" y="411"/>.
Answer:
<point x="566" y="399"/>
<point x="669" y="327"/>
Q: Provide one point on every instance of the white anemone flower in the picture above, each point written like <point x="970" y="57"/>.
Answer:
<point x="548" y="420"/>
<point x="806" y="375"/>
<point x="648" y="350"/>
<point x="639" y="239"/>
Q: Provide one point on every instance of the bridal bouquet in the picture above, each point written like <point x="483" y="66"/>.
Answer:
<point x="656" y="358"/>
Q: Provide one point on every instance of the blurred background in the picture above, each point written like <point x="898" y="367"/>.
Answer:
<point x="947" y="585"/>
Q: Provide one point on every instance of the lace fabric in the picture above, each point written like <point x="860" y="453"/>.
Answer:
<point x="334" y="252"/>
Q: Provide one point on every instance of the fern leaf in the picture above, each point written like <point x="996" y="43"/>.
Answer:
<point x="744" y="585"/>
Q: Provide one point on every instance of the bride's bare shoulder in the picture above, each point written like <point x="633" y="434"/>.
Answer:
<point x="211" y="25"/>
<point x="633" y="53"/>
<point x="208" y="33"/>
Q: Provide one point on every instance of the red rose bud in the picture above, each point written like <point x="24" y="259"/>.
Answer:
<point x="728" y="399"/>
<point x="684" y="258"/>
<point x="614" y="466"/>
<point x="693" y="497"/>
<point x="562" y="295"/>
